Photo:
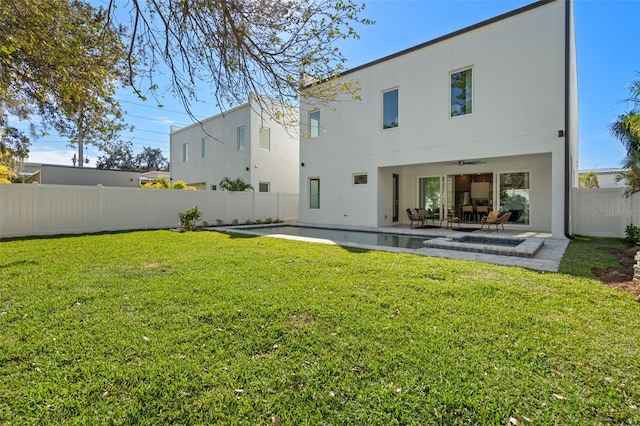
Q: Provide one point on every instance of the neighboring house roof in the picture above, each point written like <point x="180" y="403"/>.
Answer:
<point x="607" y="170"/>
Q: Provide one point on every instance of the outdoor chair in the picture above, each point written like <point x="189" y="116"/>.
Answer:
<point x="497" y="221"/>
<point x="489" y="219"/>
<point x="429" y="216"/>
<point x="416" y="217"/>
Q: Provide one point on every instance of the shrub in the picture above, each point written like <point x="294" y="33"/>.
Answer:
<point x="248" y="222"/>
<point x="219" y="222"/>
<point x="268" y="220"/>
<point x="235" y="222"/>
<point x="632" y="233"/>
<point x="258" y="221"/>
<point x="189" y="217"/>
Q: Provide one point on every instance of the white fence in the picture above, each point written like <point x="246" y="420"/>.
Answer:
<point x="603" y="212"/>
<point x="71" y="209"/>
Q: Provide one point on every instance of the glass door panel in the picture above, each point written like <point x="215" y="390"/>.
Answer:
<point x="514" y="196"/>
<point x="431" y="195"/>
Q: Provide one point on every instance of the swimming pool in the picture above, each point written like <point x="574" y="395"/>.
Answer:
<point x="345" y="236"/>
<point x="422" y="244"/>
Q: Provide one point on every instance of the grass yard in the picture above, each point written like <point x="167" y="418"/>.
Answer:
<point x="160" y="327"/>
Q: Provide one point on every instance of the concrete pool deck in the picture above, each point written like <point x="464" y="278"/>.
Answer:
<point x="546" y="258"/>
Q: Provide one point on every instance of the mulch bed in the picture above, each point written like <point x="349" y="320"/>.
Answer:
<point x="620" y="278"/>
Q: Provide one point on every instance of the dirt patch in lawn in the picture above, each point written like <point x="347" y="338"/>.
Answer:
<point x="620" y="278"/>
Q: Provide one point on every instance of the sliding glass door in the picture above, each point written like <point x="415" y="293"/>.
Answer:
<point x="514" y="196"/>
<point x="431" y="192"/>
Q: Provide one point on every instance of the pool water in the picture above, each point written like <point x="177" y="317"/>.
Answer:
<point x="338" y="236"/>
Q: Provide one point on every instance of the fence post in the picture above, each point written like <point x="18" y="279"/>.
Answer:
<point x="99" y="208"/>
<point x="35" y="202"/>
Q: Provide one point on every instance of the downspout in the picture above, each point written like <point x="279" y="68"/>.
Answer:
<point x="567" y="104"/>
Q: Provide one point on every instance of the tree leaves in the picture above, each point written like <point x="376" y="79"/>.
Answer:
<point x="62" y="63"/>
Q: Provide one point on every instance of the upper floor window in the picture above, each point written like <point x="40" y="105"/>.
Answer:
<point x="241" y="140"/>
<point x="265" y="138"/>
<point x="461" y="92"/>
<point x="185" y="152"/>
<point x="205" y="147"/>
<point x="390" y="109"/>
<point x="314" y="124"/>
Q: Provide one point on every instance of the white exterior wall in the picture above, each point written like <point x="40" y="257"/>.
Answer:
<point x="223" y="158"/>
<point x="53" y="174"/>
<point x="279" y="165"/>
<point x="518" y="109"/>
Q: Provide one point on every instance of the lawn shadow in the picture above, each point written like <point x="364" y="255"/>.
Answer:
<point x="18" y="263"/>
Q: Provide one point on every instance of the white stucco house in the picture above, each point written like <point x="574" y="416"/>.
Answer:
<point x="484" y="117"/>
<point x="244" y="142"/>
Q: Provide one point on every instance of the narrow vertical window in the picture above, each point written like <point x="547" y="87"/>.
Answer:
<point x="390" y="109"/>
<point x="264" y="186"/>
<point x="185" y="152"/>
<point x="205" y="147"/>
<point x="314" y="124"/>
<point x="314" y="193"/>
<point x="241" y="141"/>
<point x="265" y="138"/>
<point x="461" y="93"/>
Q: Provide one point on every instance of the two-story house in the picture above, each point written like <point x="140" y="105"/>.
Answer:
<point x="481" y="119"/>
<point x="244" y="142"/>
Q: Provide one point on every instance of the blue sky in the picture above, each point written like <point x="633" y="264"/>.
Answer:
<point x="608" y="50"/>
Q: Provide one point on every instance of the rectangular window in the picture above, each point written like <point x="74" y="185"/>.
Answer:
<point x="205" y="147"/>
<point x="263" y="186"/>
<point x="314" y="193"/>
<point x="314" y="124"/>
<point x="461" y="92"/>
<point x="185" y="152"/>
<point x="265" y="138"/>
<point x="514" y="196"/>
<point x="241" y="141"/>
<point x="360" y="179"/>
<point x="214" y="187"/>
<point x="390" y="109"/>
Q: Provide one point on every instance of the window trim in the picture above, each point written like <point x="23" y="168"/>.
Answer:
<point x="360" y="175"/>
<point x="384" y="92"/>
<point x="205" y="147"/>
<point x="311" y="197"/>
<point x="244" y="138"/>
<point x="450" y="97"/>
<point x="268" y="130"/>
<point x="311" y="127"/>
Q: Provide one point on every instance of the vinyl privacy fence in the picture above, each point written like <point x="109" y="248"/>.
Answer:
<point x="71" y="209"/>
<point x="603" y="212"/>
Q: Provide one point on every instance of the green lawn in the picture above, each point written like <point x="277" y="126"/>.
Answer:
<point x="162" y="327"/>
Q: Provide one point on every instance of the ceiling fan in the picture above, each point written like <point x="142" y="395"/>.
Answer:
<point x="468" y="162"/>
